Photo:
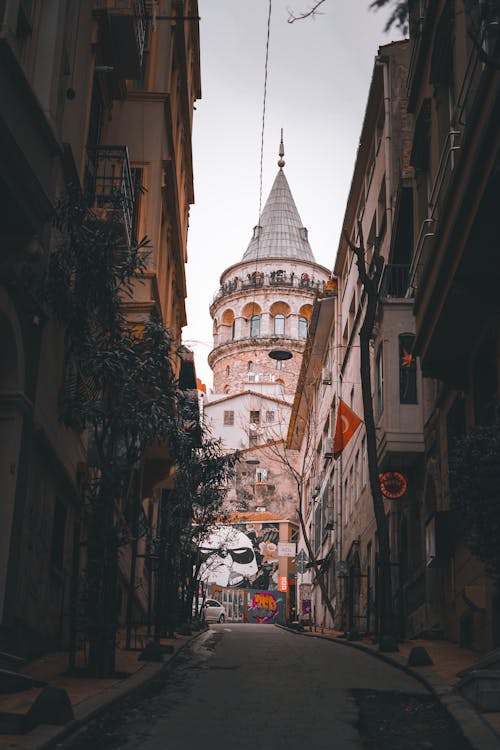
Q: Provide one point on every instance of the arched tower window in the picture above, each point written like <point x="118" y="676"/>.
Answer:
<point x="250" y="366"/>
<point x="303" y="325"/>
<point x="255" y="326"/>
<point x="279" y="325"/>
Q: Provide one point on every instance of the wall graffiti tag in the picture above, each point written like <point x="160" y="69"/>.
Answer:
<point x="264" y="606"/>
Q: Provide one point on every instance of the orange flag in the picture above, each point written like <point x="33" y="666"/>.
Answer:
<point x="345" y="427"/>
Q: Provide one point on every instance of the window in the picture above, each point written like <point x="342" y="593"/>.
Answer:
<point x="356" y="477"/>
<point x="261" y="475"/>
<point x="269" y="416"/>
<point x="379" y="381"/>
<point x="233" y="329"/>
<point x="407" y="370"/>
<point x="58" y="534"/>
<point x="364" y="462"/>
<point x="279" y="364"/>
<point x="279" y="325"/>
<point x="302" y="328"/>
<point x="318" y="513"/>
<point x="228" y="371"/>
<point x="139" y="190"/>
<point x="250" y="366"/>
<point x="351" y="489"/>
<point x="255" y="325"/>
<point x="228" y="418"/>
<point x="255" y="417"/>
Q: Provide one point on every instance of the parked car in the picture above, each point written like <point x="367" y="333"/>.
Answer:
<point x="214" y="611"/>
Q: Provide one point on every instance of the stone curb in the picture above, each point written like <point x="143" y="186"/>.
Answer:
<point x="472" y="725"/>
<point x="45" y="737"/>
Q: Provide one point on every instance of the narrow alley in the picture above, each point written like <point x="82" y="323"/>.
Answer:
<point x="247" y="686"/>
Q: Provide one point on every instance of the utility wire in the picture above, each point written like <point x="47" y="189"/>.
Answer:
<point x="264" y="109"/>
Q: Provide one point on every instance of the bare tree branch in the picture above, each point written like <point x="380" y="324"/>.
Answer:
<point x="312" y="12"/>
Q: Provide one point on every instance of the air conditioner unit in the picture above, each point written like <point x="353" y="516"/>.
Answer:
<point x="326" y="377"/>
<point x="328" y="448"/>
<point x="329" y="522"/>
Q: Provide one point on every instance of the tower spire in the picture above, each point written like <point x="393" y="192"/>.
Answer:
<point x="281" y="162"/>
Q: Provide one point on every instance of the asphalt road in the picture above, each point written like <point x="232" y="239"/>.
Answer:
<point x="242" y="687"/>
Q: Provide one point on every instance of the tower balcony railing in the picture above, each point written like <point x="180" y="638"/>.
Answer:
<point x="109" y="186"/>
<point x="259" y="280"/>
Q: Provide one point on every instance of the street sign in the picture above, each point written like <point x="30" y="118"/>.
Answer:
<point x="282" y="583"/>
<point x="301" y="561"/>
<point x="287" y="549"/>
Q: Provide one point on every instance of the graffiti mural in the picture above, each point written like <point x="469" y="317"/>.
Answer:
<point x="243" y="555"/>
<point x="264" y="607"/>
<point x="247" y="605"/>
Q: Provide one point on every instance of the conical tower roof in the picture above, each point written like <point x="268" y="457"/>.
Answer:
<point x="280" y="233"/>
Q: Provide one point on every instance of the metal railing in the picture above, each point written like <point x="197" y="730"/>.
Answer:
<point x="395" y="280"/>
<point x="272" y="279"/>
<point x="109" y="186"/>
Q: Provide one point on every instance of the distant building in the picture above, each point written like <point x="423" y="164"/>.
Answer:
<point x="261" y="314"/>
<point x="248" y="564"/>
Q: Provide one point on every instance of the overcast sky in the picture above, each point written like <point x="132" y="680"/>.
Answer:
<point x="318" y="78"/>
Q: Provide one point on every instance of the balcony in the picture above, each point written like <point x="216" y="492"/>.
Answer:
<point x="124" y="34"/>
<point x="395" y="281"/>
<point x="259" y="280"/>
<point x="109" y="186"/>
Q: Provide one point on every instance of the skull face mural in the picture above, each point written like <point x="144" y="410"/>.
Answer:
<point x="228" y="557"/>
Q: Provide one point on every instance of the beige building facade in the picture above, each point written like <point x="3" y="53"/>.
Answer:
<point x="336" y="494"/>
<point x="97" y="96"/>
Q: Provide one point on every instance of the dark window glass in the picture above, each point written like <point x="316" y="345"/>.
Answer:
<point x="379" y="375"/>
<point x="58" y="533"/>
<point x="407" y="370"/>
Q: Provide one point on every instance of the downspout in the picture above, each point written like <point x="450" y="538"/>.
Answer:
<point x="384" y="63"/>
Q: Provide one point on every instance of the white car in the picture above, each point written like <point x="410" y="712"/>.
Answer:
<point x="214" y="611"/>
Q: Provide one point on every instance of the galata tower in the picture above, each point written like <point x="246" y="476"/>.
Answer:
<point x="262" y="308"/>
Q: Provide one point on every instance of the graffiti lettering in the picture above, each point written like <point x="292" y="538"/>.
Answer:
<point x="264" y="607"/>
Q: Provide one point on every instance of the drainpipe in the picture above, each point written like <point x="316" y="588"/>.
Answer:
<point x="384" y="63"/>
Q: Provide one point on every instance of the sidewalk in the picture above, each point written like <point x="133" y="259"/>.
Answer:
<point x="481" y="729"/>
<point x="88" y="695"/>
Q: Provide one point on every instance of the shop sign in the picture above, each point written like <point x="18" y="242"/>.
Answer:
<point x="393" y="485"/>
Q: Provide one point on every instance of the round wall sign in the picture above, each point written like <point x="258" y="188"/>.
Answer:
<point x="393" y="485"/>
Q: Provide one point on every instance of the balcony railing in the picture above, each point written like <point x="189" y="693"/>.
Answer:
<point x="394" y="282"/>
<point x="272" y="279"/>
<point x="127" y="23"/>
<point x="109" y="186"/>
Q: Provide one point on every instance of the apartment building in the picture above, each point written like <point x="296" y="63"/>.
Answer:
<point x="453" y="93"/>
<point x="337" y="498"/>
<point x="98" y="96"/>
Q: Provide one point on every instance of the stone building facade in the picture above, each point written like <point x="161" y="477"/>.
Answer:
<point x="264" y="302"/>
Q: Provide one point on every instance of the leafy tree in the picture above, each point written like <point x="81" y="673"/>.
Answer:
<point x="475" y="492"/>
<point x="119" y="388"/>
<point x="202" y="472"/>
